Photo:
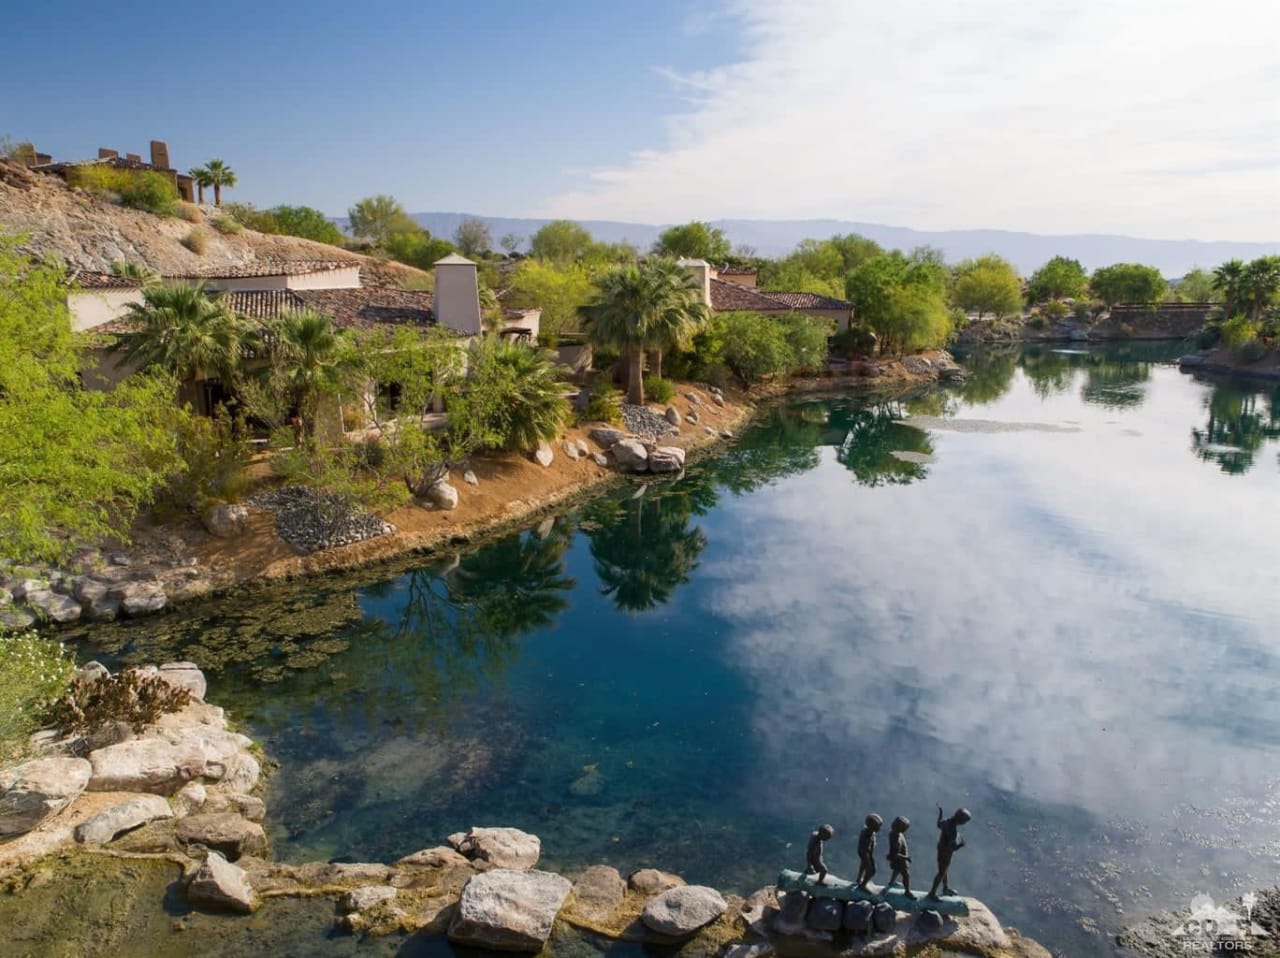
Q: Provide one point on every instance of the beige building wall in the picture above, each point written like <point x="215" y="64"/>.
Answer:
<point x="345" y="278"/>
<point x="103" y="370"/>
<point x="702" y="272"/>
<point x="227" y="284"/>
<point x="91" y="308"/>
<point x="456" y="300"/>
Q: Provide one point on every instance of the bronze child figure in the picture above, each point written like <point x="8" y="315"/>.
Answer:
<point x="898" y="856"/>
<point x="813" y="855"/>
<point x="948" y="845"/>
<point x="867" y="850"/>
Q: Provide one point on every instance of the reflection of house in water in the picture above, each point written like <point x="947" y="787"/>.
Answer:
<point x="266" y="290"/>
<point x="29" y="156"/>
<point x="733" y="289"/>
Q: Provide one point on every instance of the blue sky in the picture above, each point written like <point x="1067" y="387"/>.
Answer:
<point x="1152" y="118"/>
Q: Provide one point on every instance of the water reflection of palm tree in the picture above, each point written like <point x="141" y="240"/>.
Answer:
<point x="644" y="548"/>
<point x="1237" y="428"/>
<point x="872" y="435"/>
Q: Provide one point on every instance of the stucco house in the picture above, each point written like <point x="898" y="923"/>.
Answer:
<point x="266" y="290"/>
<point x="733" y="290"/>
<point x="29" y="156"/>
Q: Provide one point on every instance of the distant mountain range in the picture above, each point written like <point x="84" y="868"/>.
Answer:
<point x="1025" y="250"/>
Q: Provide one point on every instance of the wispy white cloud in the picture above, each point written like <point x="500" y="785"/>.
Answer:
<point x="1053" y="116"/>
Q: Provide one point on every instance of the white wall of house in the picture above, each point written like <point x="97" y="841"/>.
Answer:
<point x="90" y="308"/>
<point x="456" y="301"/>
<point x="702" y="271"/>
<point x="345" y="278"/>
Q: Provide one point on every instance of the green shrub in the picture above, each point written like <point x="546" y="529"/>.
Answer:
<point x="806" y="338"/>
<point x="140" y="189"/>
<point x="197" y="241"/>
<point x="370" y="453"/>
<point x="1238" y="330"/>
<point x="1082" y="311"/>
<point x="226" y="225"/>
<point x="215" y="455"/>
<point x="34" y="673"/>
<point x="755" y="347"/>
<point x="188" y="211"/>
<point x="604" y="404"/>
<point x="1209" y="336"/>
<point x="1055" y="310"/>
<point x="128" y="696"/>
<point x="1038" y="321"/>
<point x="659" y="390"/>
<point x="856" y="342"/>
<point x="1251" y="351"/>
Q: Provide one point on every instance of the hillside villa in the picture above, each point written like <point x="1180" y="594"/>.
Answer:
<point x="733" y="289"/>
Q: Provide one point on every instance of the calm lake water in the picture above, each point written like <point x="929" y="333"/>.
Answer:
<point x="1050" y="595"/>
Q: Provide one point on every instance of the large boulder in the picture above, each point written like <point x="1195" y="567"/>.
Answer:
<point x="185" y="675"/>
<point x="651" y="881"/>
<point x="362" y="899"/>
<point x="442" y="495"/>
<point x="439" y="857"/>
<point x="140" y="598"/>
<point x="500" y="847"/>
<point x="826" y="914"/>
<point x="145" y="765"/>
<point x="221" y="885"/>
<point x="631" y="454"/>
<point x="544" y="455"/>
<point x="53" y="606"/>
<point x="509" y="910"/>
<point x="122" y="817"/>
<point x="226" y="521"/>
<point x="598" y="891"/>
<point x="666" y="459"/>
<point x="34" y="790"/>
<point x="605" y="437"/>
<point x="679" y="912"/>
<point x="224" y="832"/>
<point x="672" y="415"/>
<point x="571" y="450"/>
<point x="97" y="599"/>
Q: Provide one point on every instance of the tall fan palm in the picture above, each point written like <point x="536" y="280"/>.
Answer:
<point x="535" y="408"/>
<point x="185" y="331"/>
<point x="220" y="175"/>
<point x="200" y="176"/>
<point x="650" y="306"/>
<point x="312" y="358"/>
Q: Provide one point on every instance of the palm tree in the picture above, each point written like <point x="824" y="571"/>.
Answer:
<point x="310" y="357"/>
<point x="536" y="408"/>
<point x="201" y="177"/>
<point x="654" y="305"/>
<point x="1228" y="280"/>
<point x="220" y="175"/>
<point x="185" y="331"/>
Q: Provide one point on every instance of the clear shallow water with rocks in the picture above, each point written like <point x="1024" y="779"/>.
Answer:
<point x="1055" y="603"/>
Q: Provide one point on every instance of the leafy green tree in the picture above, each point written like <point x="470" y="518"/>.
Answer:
<point x="806" y="338"/>
<point x="694" y="240"/>
<point x="559" y="290"/>
<point x="375" y="218"/>
<point x="901" y="299"/>
<point x="510" y="242"/>
<point x="76" y="464"/>
<point x="409" y="243"/>
<point x="819" y="266"/>
<point x="561" y="241"/>
<point x="185" y="332"/>
<point x="472" y="237"/>
<point x="306" y="222"/>
<point x="1128" y="283"/>
<point x="220" y="175"/>
<point x="988" y="284"/>
<point x="1060" y="278"/>
<point x="754" y="346"/>
<point x="914" y="318"/>
<point x="654" y="305"/>
<point x="1197" y="287"/>
<point x="200" y="176"/>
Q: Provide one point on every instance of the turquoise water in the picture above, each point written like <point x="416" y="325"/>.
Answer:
<point x="1056" y="604"/>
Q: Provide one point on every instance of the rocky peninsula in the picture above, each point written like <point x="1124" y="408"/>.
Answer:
<point x="174" y="809"/>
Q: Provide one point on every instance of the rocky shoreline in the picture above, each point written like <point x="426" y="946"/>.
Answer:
<point x="173" y="567"/>
<point x="184" y="791"/>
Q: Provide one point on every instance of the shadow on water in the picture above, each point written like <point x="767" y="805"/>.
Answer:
<point x="842" y="612"/>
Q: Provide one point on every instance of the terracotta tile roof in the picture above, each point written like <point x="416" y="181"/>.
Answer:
<point x="808" y="301"/>
<point x="736" y="271"/>
<point x="364" y="308"/>
<point x="268" y="267"/>
<point x="731" y="297"/>
<point x="371" y="306"/>
<point x="104" y="281"/>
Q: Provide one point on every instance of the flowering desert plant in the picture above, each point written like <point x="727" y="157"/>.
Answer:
<point x="34" y="673"/>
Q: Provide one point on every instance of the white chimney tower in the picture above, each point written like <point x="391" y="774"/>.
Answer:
<point x="456" y="300"/>
<point x="701" y="271"/>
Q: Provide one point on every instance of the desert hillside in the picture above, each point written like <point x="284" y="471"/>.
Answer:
<point x="90" y="234"/>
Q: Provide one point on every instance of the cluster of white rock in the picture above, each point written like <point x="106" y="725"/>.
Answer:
<point x="188" y="771"/>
